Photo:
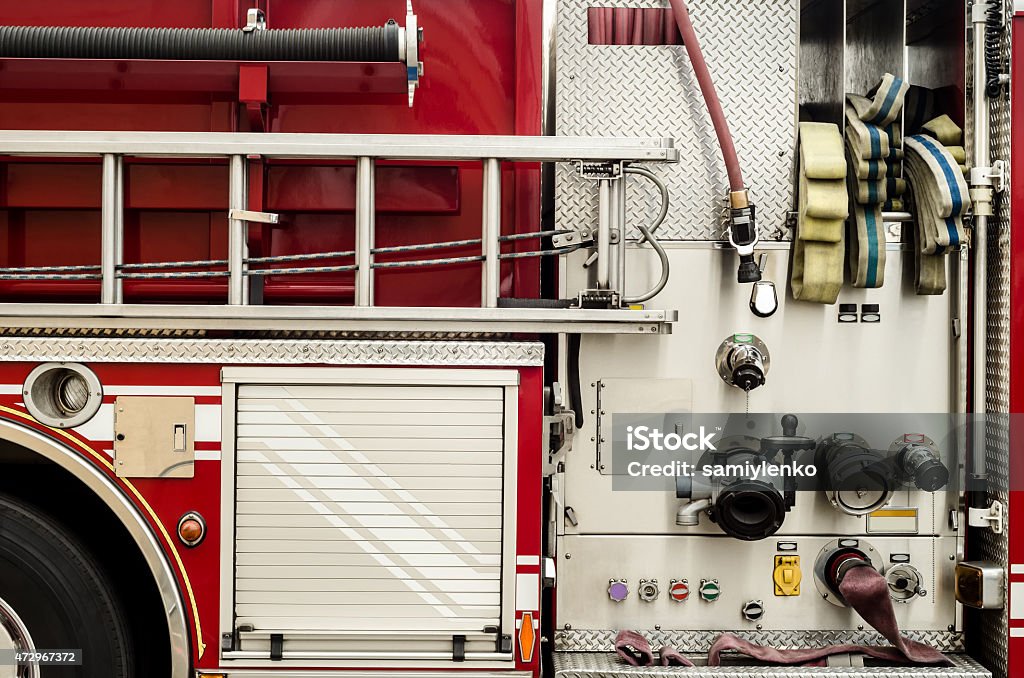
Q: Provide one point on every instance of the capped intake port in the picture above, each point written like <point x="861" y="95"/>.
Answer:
<point x="648" y="590"/>
<point x="859" y="479"/>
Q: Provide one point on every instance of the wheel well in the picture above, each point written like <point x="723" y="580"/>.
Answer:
<point x="53" y="489"/>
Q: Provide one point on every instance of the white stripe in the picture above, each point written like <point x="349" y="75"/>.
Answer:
<point x="1016" y="569"/>
<point x="156" y="389"/>
<point x="1017" y="633"/>
<point x="527" y="592"/>
<point x="1016" y="600"/>
<point x="12" y="389"/>
<point x="527" y="560"/>
<point x="208" y="455"/>
<point x="101" y="426"/>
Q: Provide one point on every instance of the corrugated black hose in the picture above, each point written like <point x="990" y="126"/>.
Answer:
<point x="214" y="44"/>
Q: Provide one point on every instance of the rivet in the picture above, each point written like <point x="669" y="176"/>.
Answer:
<point x="568" y="556"/>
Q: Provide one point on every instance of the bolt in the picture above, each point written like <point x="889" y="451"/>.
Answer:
<point x="568" y="556"/>
<point x="860" y="627"/>
<point x="760" y="626"/>
<point x="657" y="627"/>
<point x="951" y="628"/>
<point x="952" y="557"/>
<point x="568" y="627"/>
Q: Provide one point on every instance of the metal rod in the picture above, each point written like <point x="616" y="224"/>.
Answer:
<point x="979" y="242"/>
<point x="614" y="216"/>
<point x="620" y="247"/>
<point x="365" y="216"/>
<point x="112" y="221"/>
<point x="237" y="230"/>
<point x="491" y="233"/>
<point x="604" y="232"/>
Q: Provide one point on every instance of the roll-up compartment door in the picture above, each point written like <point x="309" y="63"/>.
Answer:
<point x="368" y="509"/>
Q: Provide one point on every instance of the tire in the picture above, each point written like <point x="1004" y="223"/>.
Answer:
<point x="61" y="595"/>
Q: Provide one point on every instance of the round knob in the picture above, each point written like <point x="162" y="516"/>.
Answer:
<point x="648" y="590"/>
<point x="679" y="590"/>
<point x="618" y="591"/>
<point x="789" y="424"/>
<point x="709" y="590"/>
<point x="753" y="610"/>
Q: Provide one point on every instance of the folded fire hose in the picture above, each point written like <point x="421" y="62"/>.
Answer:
<point x="866" y="591"/>
<point x="817" y="274"/>
<point x="874" y="152"/>
<point x="940" y="197"/>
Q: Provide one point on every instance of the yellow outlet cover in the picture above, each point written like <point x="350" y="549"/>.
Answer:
<point x="787" y="575"/>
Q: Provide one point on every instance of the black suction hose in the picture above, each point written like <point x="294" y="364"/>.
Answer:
<point x="213" y="44"/>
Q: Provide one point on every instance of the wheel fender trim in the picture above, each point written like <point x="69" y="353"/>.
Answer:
<point x="61" y="452"/>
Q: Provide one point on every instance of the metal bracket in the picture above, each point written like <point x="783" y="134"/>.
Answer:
<point x="255" y="20"/>
<point x="259" y="217"/>
<point x="580" y="237"/>
<point x="991" y="517"/>
<point x="994" y="176"/>
<point x="599" y="170"/>
<point x="604" y="299"/>
<point x="411" y="51"/>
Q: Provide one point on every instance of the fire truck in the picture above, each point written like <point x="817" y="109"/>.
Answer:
<point x="509" y="338"/>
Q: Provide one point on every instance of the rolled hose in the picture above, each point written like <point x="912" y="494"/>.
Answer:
<point x="203" y="44"/>
<point x="710" y="94"/>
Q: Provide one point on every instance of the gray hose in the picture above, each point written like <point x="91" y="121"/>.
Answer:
<point x="648" y="235"/>
<point x="213" y="44"/>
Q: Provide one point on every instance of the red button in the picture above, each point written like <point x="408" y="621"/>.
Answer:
<point x="679" y="591"/>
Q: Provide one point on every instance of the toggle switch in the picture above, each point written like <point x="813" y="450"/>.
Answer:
<point x="180" y="443"/>
<point x="787" y="575"/>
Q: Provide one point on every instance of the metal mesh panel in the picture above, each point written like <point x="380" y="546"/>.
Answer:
<point x="994" y="547"/>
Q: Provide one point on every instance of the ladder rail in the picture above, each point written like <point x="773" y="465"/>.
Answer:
<point x="365" y="149"/>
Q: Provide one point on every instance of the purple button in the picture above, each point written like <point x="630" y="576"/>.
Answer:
<point x="618" y="591"/>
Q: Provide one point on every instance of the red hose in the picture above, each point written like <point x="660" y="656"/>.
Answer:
<point x="707" y="88"/>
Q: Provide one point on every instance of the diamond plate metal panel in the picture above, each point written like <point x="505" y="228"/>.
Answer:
<point x="608" y="665"/>
<point x="993" y="626"/>
<point x="602" y="640"/>
<point x="240" y="351"/>
<point x="626" y="90"/>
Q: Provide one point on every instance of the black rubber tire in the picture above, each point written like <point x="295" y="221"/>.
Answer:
<point x="61" y="595"/>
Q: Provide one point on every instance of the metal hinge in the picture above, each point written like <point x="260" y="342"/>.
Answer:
<point x="991" y="517"/>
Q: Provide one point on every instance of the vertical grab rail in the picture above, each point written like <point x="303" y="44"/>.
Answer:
<point x="238" y="282"/>
<point x="491" y="233"/>
<point x="365" y="229"/>
<point x="112" y="229"/>
<point x="606" y="212"/>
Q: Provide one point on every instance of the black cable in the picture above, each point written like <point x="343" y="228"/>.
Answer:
<point x="573" y="368"/>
